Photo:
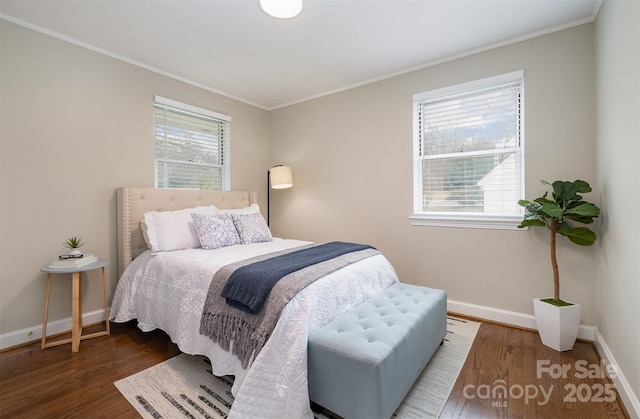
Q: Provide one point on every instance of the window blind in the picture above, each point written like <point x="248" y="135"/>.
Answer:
<point x="191" y="147"/>
<point x="470" y="150"/>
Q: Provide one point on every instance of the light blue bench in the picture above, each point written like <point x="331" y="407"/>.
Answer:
<point x="362" y="364"/>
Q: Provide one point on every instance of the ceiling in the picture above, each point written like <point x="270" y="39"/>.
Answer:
<point x="231" y="47"/>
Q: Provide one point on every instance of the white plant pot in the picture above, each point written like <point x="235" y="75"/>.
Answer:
<point x="557" y="326"/>
<point x="75" y="252"/>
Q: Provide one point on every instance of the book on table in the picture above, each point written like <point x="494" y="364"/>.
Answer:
<point x="65" y="262"/>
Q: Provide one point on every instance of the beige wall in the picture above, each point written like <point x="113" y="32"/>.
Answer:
<point x="75" y="126"/>
<point x="351" y="154"/>
<point x="617" y="37"/>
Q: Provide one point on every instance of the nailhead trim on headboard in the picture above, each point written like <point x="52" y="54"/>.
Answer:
<point x="126" y="218"/>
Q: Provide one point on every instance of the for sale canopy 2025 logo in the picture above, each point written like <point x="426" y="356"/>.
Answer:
<point x="500" y="392"/>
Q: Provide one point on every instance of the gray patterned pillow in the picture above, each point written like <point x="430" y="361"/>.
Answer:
<point x="252" y="228"/>
<point x="215" y="231"/>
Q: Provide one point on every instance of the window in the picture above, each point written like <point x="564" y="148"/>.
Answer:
<point x="468" y="154"/>
<point x="191" y="147"/>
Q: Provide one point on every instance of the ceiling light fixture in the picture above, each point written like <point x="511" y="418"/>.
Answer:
<point x="281" y="9"/>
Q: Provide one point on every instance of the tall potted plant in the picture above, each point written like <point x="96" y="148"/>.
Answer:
<point x="558" y="321"/>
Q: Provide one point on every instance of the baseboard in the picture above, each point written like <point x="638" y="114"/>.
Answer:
<point x="513" y="318"/>
<point x="629" y="399"/>
<point x="528" y="321"/>
<point x="30" y="334"/>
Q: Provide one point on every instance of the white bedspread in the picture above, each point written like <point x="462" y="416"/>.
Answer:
<point x="168" y="291"/>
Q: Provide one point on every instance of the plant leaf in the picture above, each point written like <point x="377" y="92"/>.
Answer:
<point x="524" y="203"/>
<point x="543" y="200"/>
<point x="565" y="192"/>
<point x="531" y="222"/>
<point x="578" y="235"/>
<point x="582" y="186"/>
<point x="584" y="210"/>
<point x="552" y="210"/>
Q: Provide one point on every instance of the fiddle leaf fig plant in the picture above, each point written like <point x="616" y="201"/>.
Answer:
<point x="558" y="214"/>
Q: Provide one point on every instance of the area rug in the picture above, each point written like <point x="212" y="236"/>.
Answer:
<point x="184" y="386"/>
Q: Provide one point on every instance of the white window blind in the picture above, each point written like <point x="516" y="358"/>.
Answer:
<point x="468" y="148"/>
<point x="191" y="147"/>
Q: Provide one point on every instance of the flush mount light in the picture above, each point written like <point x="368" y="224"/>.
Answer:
<point x="281" y="9"/>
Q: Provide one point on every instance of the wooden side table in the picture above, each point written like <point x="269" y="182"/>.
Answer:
<point x="76" y="304"/>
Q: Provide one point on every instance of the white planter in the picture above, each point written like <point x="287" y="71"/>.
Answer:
<point x="75" y="252"/>
<point x="557" y="326"/>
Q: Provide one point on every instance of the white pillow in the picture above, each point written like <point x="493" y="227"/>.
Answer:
<point x="215" y="231"/>
<point x="172" y="230"/>
<point x="252" y="228"/>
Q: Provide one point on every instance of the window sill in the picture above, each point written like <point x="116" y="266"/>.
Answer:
<point x="467" y="221"/>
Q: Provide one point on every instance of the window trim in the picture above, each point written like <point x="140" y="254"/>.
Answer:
<point x="496" y="222"/>
<point x="190" y="108"/>
<point x="197" y="111"/>
<point x="464" y="220"/>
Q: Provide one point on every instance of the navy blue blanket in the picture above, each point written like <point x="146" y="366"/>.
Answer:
<point x="248" y="286"/>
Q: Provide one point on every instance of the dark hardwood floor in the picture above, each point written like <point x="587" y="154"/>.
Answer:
<point x="55" y="383"/>
<point x="509" y="373"/>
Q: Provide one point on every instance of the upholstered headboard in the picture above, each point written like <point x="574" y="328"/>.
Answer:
<point x="132" y="203"/>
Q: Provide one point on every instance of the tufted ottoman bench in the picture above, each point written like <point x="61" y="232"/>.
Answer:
<point x="362" y="364"/>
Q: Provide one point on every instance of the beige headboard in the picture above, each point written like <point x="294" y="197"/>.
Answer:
<point x="132" y="203"/>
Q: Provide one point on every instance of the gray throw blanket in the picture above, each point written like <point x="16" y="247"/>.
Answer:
<point x="243" y="333"/>
<point x="248" y="287"/>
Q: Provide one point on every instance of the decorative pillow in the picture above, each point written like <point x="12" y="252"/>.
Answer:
<point x="252" y="228"/>
<point x="172" y="230"/>
<point x="215" y="231"/>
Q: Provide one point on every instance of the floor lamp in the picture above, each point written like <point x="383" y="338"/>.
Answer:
<point x="278" y="177"/>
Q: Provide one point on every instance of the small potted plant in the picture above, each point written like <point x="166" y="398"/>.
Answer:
<point x="558" y="321"/>
<point x="73" y="243"/>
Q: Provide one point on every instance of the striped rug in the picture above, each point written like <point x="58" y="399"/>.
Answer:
<point x="184" y="387"/>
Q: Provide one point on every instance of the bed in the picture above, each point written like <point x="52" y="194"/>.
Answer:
<point x="166" y="289"/>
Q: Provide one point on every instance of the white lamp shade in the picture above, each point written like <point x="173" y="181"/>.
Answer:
<point x="281" y="9"/>
<point x="281" y="177"/>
